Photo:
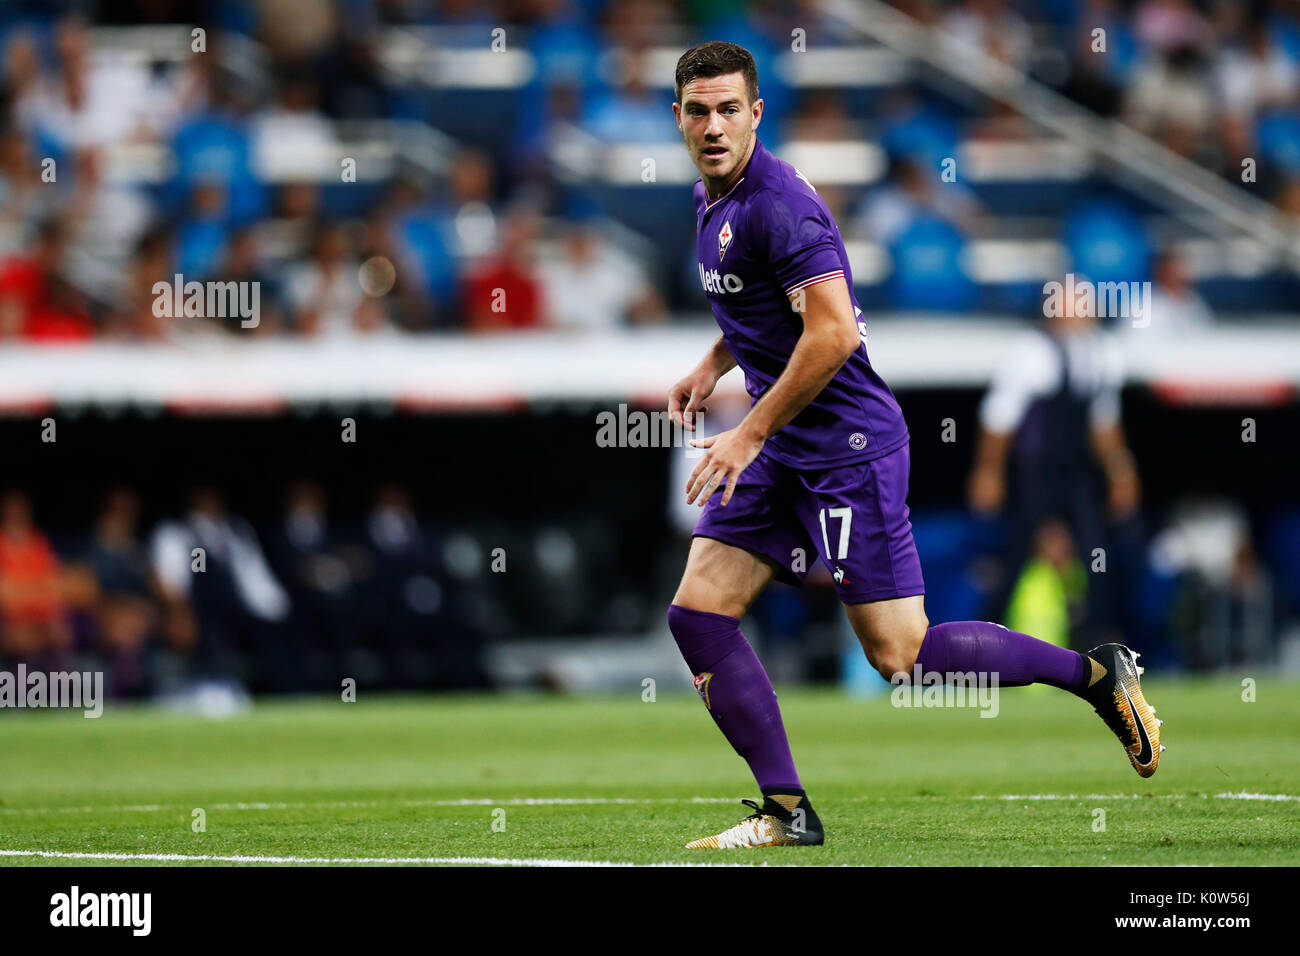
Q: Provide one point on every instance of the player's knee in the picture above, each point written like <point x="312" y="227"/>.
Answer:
<point x="897" y="650"/>
<point x="698" y="596"/>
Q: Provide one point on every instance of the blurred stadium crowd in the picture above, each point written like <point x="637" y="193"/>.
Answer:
<point x="131" y="151"/>
<point x="527" y="146"/>
<point x="202" y="597"/>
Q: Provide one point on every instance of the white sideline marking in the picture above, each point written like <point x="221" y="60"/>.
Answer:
<point x="1244" y="795"/>
<point x="605" y="801"/>
<point x="340" y="860"/>
<point x="374" y="804"/>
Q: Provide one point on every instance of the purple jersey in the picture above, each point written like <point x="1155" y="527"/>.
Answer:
<point x="770" y="236"/>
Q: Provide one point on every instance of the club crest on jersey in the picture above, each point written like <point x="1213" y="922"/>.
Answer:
<point x="701" y="682"/>
<point x="725" y="235"/>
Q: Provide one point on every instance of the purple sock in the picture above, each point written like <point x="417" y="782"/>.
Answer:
<point x="1017" y="659"/>
<point x="733" y="685"/>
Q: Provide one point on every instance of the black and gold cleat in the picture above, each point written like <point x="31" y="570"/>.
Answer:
<point x="1116" y="694"/>
<point x="769" y="825"/>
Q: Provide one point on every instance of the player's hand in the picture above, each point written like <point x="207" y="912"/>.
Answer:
<point x="729" y="453"/>
<point x="1125" y="492"/>
<point x="987" y="490"/>
<point x="685" y="399"/>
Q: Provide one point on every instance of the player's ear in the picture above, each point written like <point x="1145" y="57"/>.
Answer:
<point x="677" y="114"/>
<point x="758" y="111"/>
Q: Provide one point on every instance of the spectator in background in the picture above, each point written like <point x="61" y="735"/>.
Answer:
<point x="33" y="614"/>
<point x="325" y="292"/>
<point x="594" y="285"/>
<point x="550" y="134"/>
<point x="411" y="605"/>
<point x="1097" y="78"/>
<point x="393" y="282"/>
<point x="1254" y="74"/>
<point x="132" y="315"/>
<point x="106" y="218"/>
<point x="1171" y="99"/>
<point x="215" y="144"/>
<point x="912" y="192"/>
<point x="399" y="596"/>
<point x="186" y="90"/>
<point x="1048" y="597"/>
<point x="1176" y="309"/>
<point x="85" y="104"/>
<point x="418" y="236"/>
<point x="25" y="200"/>
<point x="293" y="138"/>
<point x="1049" y="429"/>
<point x="36" y="302"/>
<point x="629" y="112"/>
<point x="504" y="293"/>
<point x="22" y="74"/>
<point x="992" y="27"/>
<point x="307" y="554"/>
<point x="297" y="216"/>
<point x="123" y="605"/>
<point x="350" y="70"/>
<point x="565" y="45"/>
<point x="241" y="261"/>
<point x="1224" y="605"/>
<point x="202" y="235"/>
<point x="468" y="216"/>
<point x="211" y="564"/>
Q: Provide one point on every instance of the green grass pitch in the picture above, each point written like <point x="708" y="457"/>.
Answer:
<point x="426" y="778"/>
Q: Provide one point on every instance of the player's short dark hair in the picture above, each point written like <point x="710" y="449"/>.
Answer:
<point x="716" y="58"/>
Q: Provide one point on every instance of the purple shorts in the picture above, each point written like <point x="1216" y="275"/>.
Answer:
<point x="854" y="516"/>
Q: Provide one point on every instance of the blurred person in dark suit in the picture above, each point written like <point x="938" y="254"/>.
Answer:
<point x="1051" y="443"/>
<point x="309" y="555"/>
<point x="412" y="608"/>
<point x="123" y="595"/>
<point x="239" y="608"/>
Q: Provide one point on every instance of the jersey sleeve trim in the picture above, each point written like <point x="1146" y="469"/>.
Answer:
<point x="824" y="277"/>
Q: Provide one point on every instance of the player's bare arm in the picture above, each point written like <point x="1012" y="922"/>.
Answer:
<point x="830" y="336"/>
<point x="987" y="488"/>
<point x="1116" y="460"/>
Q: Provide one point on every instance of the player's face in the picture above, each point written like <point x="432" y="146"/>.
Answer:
<point x="717" y="121"/>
